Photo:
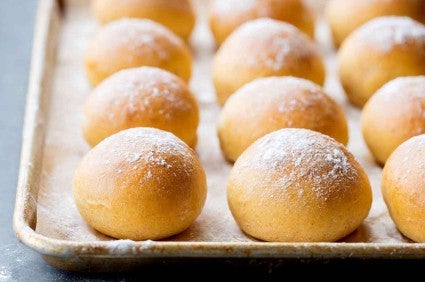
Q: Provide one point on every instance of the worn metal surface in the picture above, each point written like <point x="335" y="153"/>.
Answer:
<point x="75" y="246"/>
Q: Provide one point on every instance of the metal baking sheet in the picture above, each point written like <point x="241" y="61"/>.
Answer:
<point x="46" y="218"/>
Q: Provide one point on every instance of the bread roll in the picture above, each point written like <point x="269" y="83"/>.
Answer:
<point x="227" y="15"/>
<point x="261" y="48"/>
<point x="177" y="15"/>
<point x="345" y="16"/>
<point x="395" y="113"/>
<point x="403" y="187"/>
<point x="298" y="185"/>
<point x="268" y="104"/>
<point x="141" y="97"/>
<point x="129" y="43"/>
<point x="379" y="51"/>
<point x="142" y="183"/>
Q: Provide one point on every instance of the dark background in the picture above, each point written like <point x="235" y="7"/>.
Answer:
<point x="18" y="263"/>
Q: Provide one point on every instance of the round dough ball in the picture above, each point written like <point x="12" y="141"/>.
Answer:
<point x="395" y="113"/>
<point x="131" y="43"/>
<point x="379" y="51"/>
<point x="227" y="15"/>
<point x="298" y="185"/>
<point x="142" y="183"/>
<point x="177" y="15"/>
<point x="264" y="47"/>
<point x="141" y="97"/>
<point x="403" y="187"/>
<point x="268" y="104"/>
<point x="344" y="16"/>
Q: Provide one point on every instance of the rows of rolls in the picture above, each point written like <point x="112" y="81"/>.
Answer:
<point x="293" y="179"/>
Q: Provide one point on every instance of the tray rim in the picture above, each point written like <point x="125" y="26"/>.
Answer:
<point x="24" y="214"/>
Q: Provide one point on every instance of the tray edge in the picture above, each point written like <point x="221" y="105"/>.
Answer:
<point x="25" y="206"/>
<point x="24" y="216"/>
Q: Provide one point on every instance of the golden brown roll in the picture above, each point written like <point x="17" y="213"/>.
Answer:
<point x="268" y="104"/>
<point x="403" y="188"/>
<point x="177" y="15"/>
<point x="261" y="48"/>
<point x="344" y="16"/>
<point x="141" y="97"/>
<point x="298" y="185"/>
<point x="142" y="183"/>
<point x="227" y="15"/>
<point x="379" y="51"/>
<point x="395" y="113"/>
<point x="131" y="43"/>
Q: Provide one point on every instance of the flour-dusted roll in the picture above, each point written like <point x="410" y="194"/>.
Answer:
<point x="395" y="113"/>
<point x="268" y="104"/>
<point x="261" y="48"/>
<point x="131" y="43"/>
<point x="345" y="16"/>
<point x="379" y="51"/>
<point x="141" y="97"/>
<point x="403" y="187"/>
<point x="298" y="185"/>
<point x="227" y="15"/>
<point x="142" y="183"/>
<point x="177" y="15"/>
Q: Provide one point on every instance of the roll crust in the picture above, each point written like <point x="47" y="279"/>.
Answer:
<point x="381" y="50"/>
<point x="268" y="104"/>
<point x="139" y="184"/>
<point x="226" y="16"/>
<point x="177" y="15"/>
<point x="345" y="16"/>
<point x="141" y="97"/>
<point x="297" y="185"/>
<point x="394" y="114"/>
<point x="129" y="43"/>
<point x="403" y="188"/>
<point x="261" y="48"/>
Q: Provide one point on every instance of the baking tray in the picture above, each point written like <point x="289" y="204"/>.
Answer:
<point x="45" y="216"/>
